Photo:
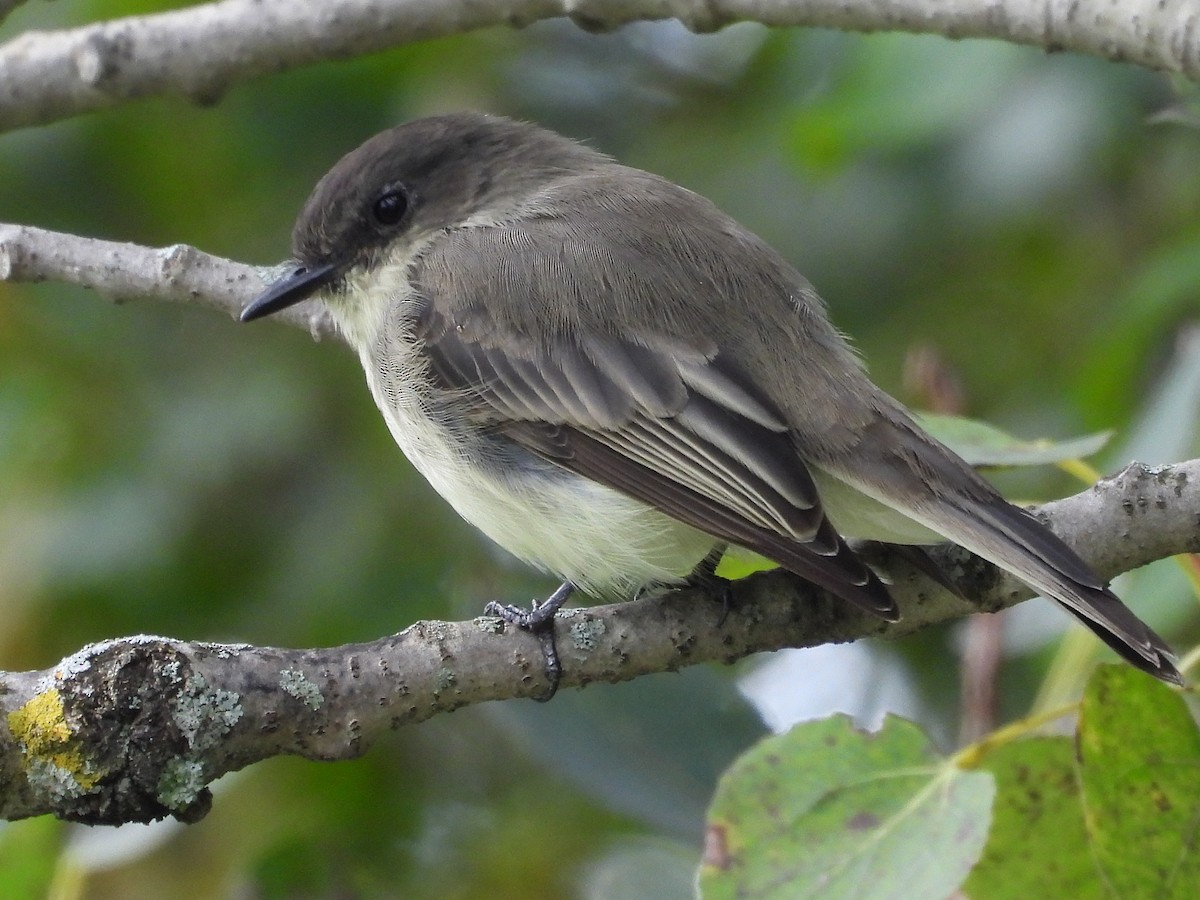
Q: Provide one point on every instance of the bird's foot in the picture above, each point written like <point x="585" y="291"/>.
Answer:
<point x="703" y="577"/>
<point x="539" y="621"/>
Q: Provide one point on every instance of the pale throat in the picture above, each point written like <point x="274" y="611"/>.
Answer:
<point x="361" y="306"/>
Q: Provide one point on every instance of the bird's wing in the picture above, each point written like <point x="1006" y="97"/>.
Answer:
<point x="676" y="426"/>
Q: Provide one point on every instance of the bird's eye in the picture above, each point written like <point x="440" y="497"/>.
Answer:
<point x="390" y="208"/>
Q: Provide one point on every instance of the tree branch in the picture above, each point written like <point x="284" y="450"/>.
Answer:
<point x="134" y="729"/>
<point x="201" y="51"/>
<point x="120" y="272"/>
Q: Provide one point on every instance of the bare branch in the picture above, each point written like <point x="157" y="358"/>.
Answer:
<point x="133" y="730"/>
<point x="120" y="272"/>
<point x="201" y="51"/>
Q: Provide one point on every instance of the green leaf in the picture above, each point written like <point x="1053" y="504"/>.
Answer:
<point x="1038" y="846"/>
<point x="827" y="810"/>
<point x="1139" y="762"/>
<point x="739" y="562"/>
<point x="982" y="444"/>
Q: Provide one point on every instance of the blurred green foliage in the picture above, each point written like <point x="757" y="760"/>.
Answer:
<point x="163" y="469"/>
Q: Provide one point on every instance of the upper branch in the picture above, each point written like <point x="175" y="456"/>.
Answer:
<point x="200" y="52"/>
<point x="135" y="729"/>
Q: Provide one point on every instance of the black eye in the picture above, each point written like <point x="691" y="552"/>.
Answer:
<point x="390" y="208"/>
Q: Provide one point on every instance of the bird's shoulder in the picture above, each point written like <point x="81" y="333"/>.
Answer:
<point x="610" y="251"/>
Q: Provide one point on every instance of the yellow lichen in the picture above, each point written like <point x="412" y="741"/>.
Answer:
<point x="39" y="724"/>
<point x="41" y="727"/>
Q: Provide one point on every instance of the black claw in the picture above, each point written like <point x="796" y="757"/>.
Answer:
<point x="545" y="637"/>
<point x="726" y="603"/>
<point x="539" y="620"/>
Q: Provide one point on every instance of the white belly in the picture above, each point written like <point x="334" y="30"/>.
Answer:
<point x="600" y="540"/>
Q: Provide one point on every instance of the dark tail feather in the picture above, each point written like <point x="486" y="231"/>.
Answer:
<point x="1132" y="639"/>
<point x="968" y="511"/>
<point x="1042" y="560"/>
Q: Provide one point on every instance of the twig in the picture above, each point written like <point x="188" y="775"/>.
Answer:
<point x="120" y="272"/>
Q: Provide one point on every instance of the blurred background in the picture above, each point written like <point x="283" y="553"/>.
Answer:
<point x="1009" y="234"/>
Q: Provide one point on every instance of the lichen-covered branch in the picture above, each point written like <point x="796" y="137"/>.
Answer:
<point x="201" y="51"/>
<point x="134" y="729"/>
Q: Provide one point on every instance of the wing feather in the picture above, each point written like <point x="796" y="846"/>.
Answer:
<point x="724" y="386"/>
<point x="648" y="378"/>
<point x="688" y="437"/>
<point x="840" y="572"/>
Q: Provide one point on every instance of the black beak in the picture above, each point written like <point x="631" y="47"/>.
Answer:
<point x="300" y="284"/>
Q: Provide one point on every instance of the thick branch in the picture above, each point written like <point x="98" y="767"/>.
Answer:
<point x="201" y="51"/>
<point x="134" y="729"/>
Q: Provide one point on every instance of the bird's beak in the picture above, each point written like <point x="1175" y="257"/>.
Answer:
<point x="299" y="284"/>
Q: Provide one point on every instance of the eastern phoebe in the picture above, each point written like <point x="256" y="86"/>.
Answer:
<point x="614" y="380"/>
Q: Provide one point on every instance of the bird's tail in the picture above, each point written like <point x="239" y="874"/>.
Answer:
<point x="1014" y="540"/>
<point x="967" y="510"/>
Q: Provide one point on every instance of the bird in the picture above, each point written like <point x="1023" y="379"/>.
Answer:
<point x="616" y="381"/>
